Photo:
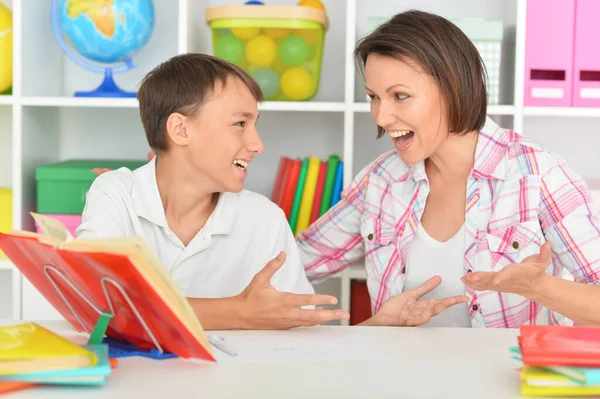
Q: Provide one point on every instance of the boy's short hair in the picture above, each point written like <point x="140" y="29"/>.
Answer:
<point x="182" y="84"/>
<point x="444" y="52"/>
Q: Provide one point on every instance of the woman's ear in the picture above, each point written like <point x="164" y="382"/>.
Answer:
<point x="176" y="129"/>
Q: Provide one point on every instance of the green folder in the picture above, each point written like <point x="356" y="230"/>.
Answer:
<point x="298" y="195"/>
<point x="329" y="183"/>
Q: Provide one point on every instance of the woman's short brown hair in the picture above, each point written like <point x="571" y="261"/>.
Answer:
<point x="445" y="52"/>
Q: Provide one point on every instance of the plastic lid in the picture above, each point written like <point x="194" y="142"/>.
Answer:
<point x="267" y="12"/>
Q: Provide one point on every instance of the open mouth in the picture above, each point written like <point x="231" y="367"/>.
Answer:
<point x="402" y="138"/>
<point x="241" y="164"/>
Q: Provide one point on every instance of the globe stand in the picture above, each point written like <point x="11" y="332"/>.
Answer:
<point x="108" y="88"/>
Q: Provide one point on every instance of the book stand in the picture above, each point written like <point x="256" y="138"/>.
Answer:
<point x="116" y="348"/>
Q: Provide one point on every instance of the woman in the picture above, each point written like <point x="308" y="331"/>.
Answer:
<point x="496" y="216"/>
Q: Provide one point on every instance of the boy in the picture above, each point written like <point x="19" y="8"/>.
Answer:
<point x="199" y="114"/>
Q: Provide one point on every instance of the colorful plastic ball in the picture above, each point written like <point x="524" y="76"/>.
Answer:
<point x="297" y="84"/>
<point x="261" y="50"/>
<point x="254" y="3"/>
<point x="268" y="81"/>
<point x="312" y="3"/>
<point x="293" y="50"/>
<point x="245" y="33"/>
<point x="276" y="33"/>
<point x="230" y="48"/>
<point x="309" y="35"/>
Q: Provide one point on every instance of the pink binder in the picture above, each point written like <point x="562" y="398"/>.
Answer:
<point x="549" y="52"/>
<point x="586" y="70"/>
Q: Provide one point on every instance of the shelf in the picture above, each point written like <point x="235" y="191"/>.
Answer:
<point x="133" y="103"/>
<point x="6" y="265"/>
<point x="492" y="109"/>
<point x="6" y="100"/>
<point x="574" y="112"/>
<point x="308" y="106"/>
<point x="80" y="102"/>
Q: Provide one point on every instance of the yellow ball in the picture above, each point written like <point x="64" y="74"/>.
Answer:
<point x="312" y="3"/>
<point x="261" y="50"/>
<point x="297" y="84"/>
<point x="245" y="33"/>
<point x="5" y="48"/>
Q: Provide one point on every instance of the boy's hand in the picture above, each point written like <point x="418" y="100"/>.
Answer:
<point x="265" y="308"/>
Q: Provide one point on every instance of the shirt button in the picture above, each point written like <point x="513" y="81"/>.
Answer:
<point x="404" y="270"/>
<point x="469" y="271"/>
<point x="475" y="307"/>
<point x="370" y="236"/>
<point x="515" y="245"/>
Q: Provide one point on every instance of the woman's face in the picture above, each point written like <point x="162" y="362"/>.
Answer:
<point x="407" y="103"/>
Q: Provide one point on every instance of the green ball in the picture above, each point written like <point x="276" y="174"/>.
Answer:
<point x="293" y="50"/>
<point x="229" y="48"/>
<point x="268" y="81"/>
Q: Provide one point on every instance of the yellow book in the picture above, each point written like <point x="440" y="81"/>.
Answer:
<point x="5" y="213"/>
<point x="308" y="195"/>
<point x="540" y="382"/>
<point x="29" y="347"/>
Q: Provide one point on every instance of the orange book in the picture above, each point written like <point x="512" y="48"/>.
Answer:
<point x="11" y="386"/>
<point x="560" y="346"/>
<point x="289" y="190"/>
<point x="120" y="276"/>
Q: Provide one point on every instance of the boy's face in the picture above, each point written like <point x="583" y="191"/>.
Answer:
<point x="223" y="138"/>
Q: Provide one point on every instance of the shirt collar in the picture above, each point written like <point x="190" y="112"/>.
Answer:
<point x="491" y="154"/>
<point x="148" y="203"/>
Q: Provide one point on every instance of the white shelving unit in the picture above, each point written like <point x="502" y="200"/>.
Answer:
<point x="43" y="122"/>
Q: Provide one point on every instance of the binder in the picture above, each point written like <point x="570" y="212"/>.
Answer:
<point x="586" y="62"/>
<point x="549" y="52"/>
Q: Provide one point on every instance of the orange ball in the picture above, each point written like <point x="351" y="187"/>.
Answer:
<point x="312" y="3"/>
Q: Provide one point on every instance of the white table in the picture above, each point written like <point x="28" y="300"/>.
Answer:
<point x="364" y="362"/>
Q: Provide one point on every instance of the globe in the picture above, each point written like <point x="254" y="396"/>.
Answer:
<point x="105" y="32"/>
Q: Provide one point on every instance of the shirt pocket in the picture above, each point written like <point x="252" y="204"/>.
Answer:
<point x="512" y="244"/>
<point x="380" y="241"/>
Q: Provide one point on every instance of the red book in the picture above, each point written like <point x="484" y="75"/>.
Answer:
<point x="119" y="276"/>
<point x="560" y="346"/>
<point x="289" y="190"/>
<point x="279" y="183"/>
<point x="319" y="192"/>
<point x="360" y="302"/>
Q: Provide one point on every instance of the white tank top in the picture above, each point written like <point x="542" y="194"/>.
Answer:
<point x="427" y="258"/>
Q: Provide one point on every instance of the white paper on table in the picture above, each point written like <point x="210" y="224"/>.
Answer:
<point x="329" y="345"/>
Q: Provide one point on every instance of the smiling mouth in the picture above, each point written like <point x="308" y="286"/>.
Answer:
<point x="402" y="137"/>
<point x="241" y="164"/>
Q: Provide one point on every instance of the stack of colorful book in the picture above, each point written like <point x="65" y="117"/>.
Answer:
<point x="559" y="361"/>
<point x="32" y="355"/>
<point x="306" y="188"/>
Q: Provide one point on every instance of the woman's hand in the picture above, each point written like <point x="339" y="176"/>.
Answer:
<point x="407" y="310"/>
<point x="523" y="278"/>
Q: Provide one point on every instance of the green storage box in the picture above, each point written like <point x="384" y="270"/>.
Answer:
<point x="62" y="186"/>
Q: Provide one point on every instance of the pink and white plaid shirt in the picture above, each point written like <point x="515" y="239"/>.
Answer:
<point x="519" y="195"/>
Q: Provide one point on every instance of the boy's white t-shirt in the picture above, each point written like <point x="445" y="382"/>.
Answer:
<point x="245" y="231"/>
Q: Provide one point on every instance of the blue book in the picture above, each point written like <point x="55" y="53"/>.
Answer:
<point x="338" y="184"/>
<point x="95" y="375"/>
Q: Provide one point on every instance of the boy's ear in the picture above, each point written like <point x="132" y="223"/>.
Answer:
<point x="176" y="129"/>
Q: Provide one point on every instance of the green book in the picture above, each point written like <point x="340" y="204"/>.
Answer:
<point x="332" y="164"/>
<point x="298" y="195"/>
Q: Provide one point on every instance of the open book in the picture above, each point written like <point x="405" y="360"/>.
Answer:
<point x="119" y="276"/>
